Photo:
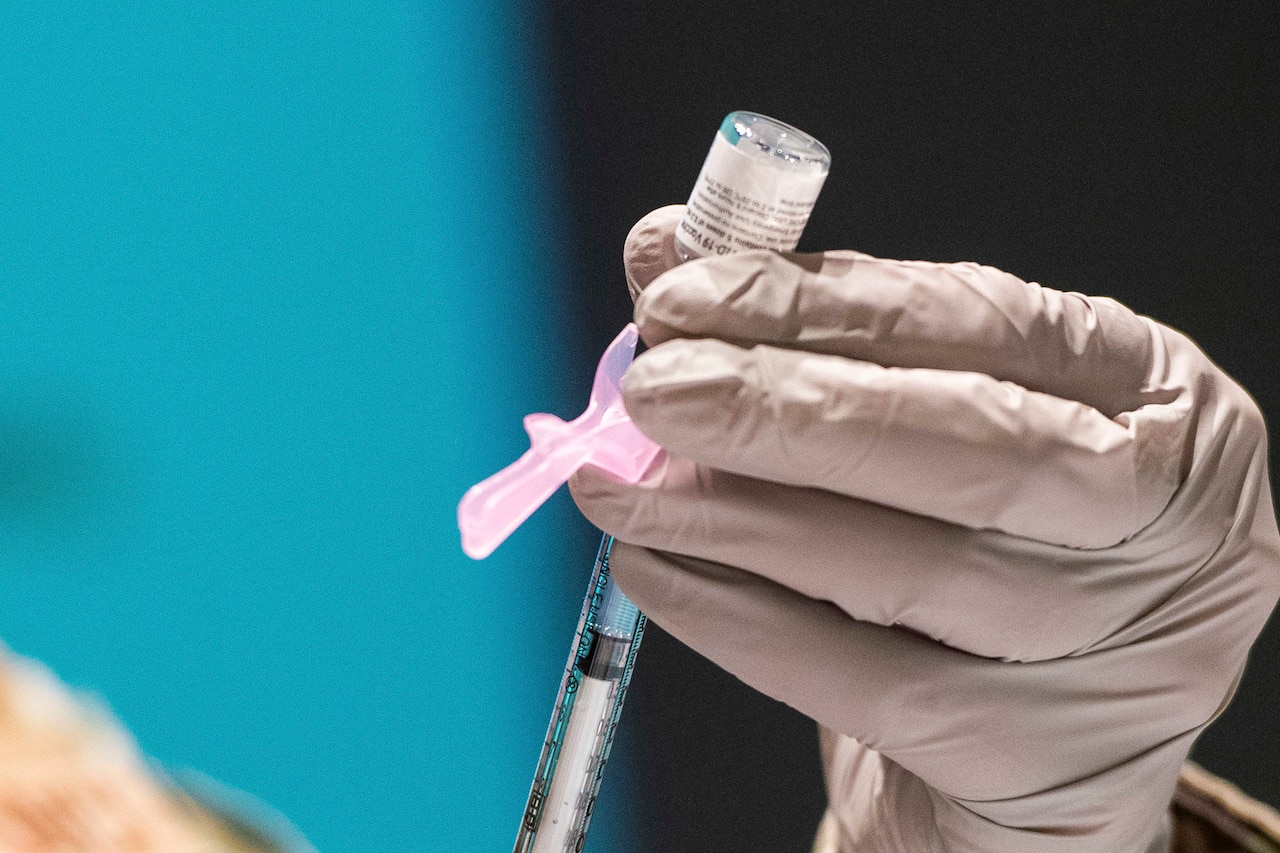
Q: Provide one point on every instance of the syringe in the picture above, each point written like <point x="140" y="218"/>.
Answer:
<point x="588" y="706"/>
<point x="571" y="767"/>
<point x="755" y="191"/>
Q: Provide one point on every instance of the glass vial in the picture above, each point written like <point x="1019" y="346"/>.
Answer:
<point x="756" y="188"/>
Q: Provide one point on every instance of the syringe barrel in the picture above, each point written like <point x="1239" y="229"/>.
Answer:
<point x="616" y="616"/>
<point x="580" y="735"/>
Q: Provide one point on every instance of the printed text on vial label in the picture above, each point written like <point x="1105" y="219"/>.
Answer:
<point x="721" y="219"/>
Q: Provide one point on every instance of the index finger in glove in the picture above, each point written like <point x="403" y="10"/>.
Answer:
<point x="960" y="447"/>
<point x="953" y="316"/>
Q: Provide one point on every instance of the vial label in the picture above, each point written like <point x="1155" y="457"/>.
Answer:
<point x="742" y="202"/>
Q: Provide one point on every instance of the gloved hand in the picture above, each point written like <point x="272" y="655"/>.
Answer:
<point x="1009" y="546"/>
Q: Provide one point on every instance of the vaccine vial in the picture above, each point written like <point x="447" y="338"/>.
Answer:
<point x="756" y="188"/>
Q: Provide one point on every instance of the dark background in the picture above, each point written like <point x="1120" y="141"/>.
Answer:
<point x="1118" y="149"/>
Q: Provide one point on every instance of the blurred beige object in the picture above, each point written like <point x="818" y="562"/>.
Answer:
<point x="72" y="780"/>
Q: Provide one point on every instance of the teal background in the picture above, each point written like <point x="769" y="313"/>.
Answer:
<point x="277" y="281"/>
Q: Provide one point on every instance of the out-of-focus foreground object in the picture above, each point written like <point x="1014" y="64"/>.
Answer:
<point x="73" y="781"/>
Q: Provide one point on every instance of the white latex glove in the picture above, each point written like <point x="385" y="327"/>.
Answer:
<point x="1009" y="546"/>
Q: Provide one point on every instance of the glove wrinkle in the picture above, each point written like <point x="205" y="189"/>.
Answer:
<point x="909" y="314"/>
<point x="881" y="808"/>
<point x="878" y="807"/>
<point x="1082" y="816"/>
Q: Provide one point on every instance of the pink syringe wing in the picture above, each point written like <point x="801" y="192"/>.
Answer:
<point x="602" y="435"/>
